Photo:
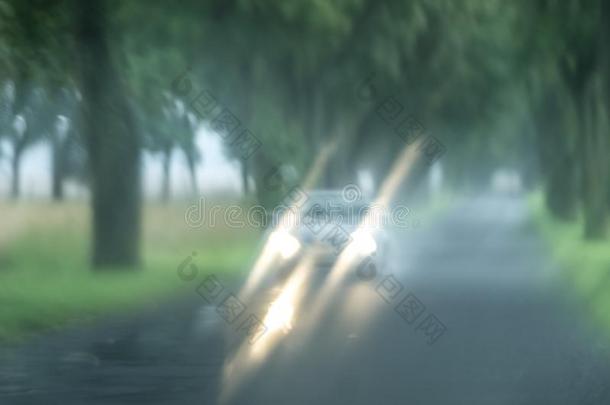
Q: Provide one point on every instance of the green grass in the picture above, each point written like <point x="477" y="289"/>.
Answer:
<point x="46" y="282"/>
<point x="586" y="264"/>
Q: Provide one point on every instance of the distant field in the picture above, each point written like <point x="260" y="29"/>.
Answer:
<point x="586" y="264"/>
<point x="45" y="280"/>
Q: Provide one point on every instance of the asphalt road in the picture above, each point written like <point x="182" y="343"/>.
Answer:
<point x="470" y="310"/>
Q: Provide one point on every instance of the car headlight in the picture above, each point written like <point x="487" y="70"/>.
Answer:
<point x="284" y="243"/>
<point x="363" y="242"/>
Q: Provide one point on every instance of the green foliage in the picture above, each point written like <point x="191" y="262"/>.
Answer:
<point x="288" y="71"/>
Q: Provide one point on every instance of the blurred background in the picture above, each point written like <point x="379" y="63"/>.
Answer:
<point x="123" y="123"/>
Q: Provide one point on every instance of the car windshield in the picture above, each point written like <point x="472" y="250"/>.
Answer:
<point x="301" y="202"/>
<point x="336" y="211"/>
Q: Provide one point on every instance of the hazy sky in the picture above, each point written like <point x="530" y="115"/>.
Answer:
<point x="215" y="173"/>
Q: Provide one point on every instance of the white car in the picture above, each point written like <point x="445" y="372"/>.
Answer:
<point x="327" y="225"/>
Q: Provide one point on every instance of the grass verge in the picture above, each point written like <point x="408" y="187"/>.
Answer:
<point x="46" y="281"/>
<point x="586" y="264"/>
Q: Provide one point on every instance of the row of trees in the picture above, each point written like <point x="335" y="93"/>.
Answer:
<point x="40" y="99"/>
<point x="289" y="71"/>
<point x="567" y="81"/>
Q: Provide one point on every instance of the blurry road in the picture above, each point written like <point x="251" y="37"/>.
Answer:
<point x="513" y="336"/>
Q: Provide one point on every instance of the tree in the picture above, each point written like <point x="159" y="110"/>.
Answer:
<point x="113" y="143"/>
<point x="63" y="139"/>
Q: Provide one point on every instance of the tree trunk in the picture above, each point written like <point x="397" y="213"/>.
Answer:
<point x="341" y="169"/>
<point x="244" y="177"/>
<point x="190" y="161"/>
<point x="556" y="155"/>
<point x="112" y="143"/>
<point x="166" y="176"/>
<point x="605" y="69"/>
<point x="58" y="169"/>
<point x="269" y="189"/>
<point x="16" y="173"/>
<point x="561" y="188"/>
<point x="594" y="170"/>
